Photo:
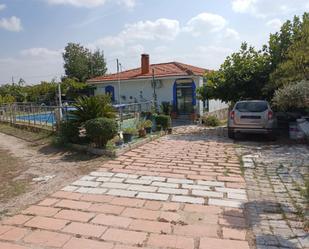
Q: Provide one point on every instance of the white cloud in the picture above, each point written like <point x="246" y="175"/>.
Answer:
<point x="231" y="34"/>
<point x="160" y="29"/>
<point x="41" y="52"/>
<point x="205" y="23"/>
<point x="11" y="24"/>
<point x="243" y="6"/>
<point x="274" y="23"/>
<point x="266" y="8"/>
<point x="2" y="6"/>
<point x="90" y="3"/>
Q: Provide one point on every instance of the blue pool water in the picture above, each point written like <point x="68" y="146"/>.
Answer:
<point x="47" y="117"/>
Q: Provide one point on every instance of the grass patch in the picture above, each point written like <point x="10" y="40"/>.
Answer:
<point x="42" y="137"/>
<point x="10" y="169"/>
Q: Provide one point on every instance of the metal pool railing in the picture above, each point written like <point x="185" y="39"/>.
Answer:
<point x="48" y="116"/>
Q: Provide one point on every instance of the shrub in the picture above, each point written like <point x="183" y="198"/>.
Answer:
<point x="293" y="97"/>
<point x="132" y="131"/>
<point x="164" y="121"/>
<point x="101" y="130"/>
<point x="212" y="121"/>
<point x="148" y="124"/>
<point x="68" y="132"/>
<point x="166" y="108"/>
<point x="93" y="107"/>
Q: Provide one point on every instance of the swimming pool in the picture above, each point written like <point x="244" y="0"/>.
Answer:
<point x="46" y="118"/>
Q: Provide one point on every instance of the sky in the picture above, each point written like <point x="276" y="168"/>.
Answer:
<point x="33" y="33"/>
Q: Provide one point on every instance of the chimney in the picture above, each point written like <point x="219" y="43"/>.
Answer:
<point x="145" y="64"/>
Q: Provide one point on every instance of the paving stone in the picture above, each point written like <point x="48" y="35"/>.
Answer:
<point x="236" y="196"/>
<point x="225" y="203"/>
<point x="170" y="241"/>
<point x="112" y="185"/>
<point x="86" y="183"/>
<point x="153" y="196"/>
<point x="142" y="188"/>
<point x="153" y="178"/>
<point x="101" y="174"/>
<point x="188" y="199"/>
<point x="211" y="243"/>
<point x="231" y="190"/>
<point x="191" y="186"/>
<point x="75" y="243"/>
<point x="120" y="192"/>
<point x="180" y="181"/>
<point x="207" y="193"/>
<point x="173" y="191"/>
<point x="47" y="238"/>
<point x="165" y="185"/>
<point x="124" y="236"/>
<point x="210" y="183"/>
<point x="122" y="175"/>
<point x="85" y="229"/>
<point x="138" y="181"/>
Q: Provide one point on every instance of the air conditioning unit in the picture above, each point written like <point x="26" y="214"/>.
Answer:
<point x="157" y="83"/>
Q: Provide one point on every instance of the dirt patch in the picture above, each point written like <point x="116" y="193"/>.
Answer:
<point x="21" y="161"/>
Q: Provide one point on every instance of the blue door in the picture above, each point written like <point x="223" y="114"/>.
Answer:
<point x="111" y="91"/>
<point x="184" y="96"/>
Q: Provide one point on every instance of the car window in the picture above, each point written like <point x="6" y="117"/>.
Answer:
<point x="251" y="106"/>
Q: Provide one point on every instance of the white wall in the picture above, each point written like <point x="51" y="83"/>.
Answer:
<point x="133" y="89"/>
<point x="215" y="105"/>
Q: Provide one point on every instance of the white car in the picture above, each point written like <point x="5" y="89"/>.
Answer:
<point x="252" y="116"/>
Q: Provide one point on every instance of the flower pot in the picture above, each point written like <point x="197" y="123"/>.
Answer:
<point x="158" y="128"/>
<point x="148" y="130"/>
<point x="127" y="138"/>
<point x="142" y="133"/>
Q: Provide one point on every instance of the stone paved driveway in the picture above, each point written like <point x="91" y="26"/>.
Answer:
<point x="182" y="192"/>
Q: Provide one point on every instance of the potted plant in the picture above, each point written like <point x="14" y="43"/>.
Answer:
<point x="148" y="126"/>
<point x="128" y="134"/>
<point x="141" y="129"/>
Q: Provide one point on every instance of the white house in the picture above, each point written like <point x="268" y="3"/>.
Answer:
<point x="174" y="82"/>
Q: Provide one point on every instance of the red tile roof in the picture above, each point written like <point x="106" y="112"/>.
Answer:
<point x="160" y="70"/>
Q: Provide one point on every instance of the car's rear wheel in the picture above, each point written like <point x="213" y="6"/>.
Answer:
<point x="231" y="134"/>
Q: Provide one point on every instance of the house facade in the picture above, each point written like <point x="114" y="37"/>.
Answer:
<point x="171" y="82"/>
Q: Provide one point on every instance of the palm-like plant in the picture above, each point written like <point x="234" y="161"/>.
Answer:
<point x="93" y="107"/>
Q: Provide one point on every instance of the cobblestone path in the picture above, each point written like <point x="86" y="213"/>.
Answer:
<point x="277" y="212"/>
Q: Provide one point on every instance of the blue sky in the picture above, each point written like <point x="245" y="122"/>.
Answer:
<point x="33" y="33"/>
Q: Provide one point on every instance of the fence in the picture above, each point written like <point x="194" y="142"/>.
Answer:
<point x="49" y="116"/>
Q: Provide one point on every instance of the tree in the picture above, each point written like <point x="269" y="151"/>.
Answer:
<point x="242" y="76"/>
<point x="295" y="67"/>
<point x="81" y="64"/>
<point x="282" y="47"/>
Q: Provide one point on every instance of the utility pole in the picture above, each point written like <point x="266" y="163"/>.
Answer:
<point x="60" y="100"/>
<point x="118" y="71"/>
<point x="154" y="83"/>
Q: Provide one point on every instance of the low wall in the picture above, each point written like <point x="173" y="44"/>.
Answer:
<point x="221" y="114"/>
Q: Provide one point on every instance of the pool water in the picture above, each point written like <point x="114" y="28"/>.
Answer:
<point x="47" y="117"/>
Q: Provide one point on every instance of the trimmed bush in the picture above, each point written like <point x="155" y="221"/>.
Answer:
<point x="164" y="121"/>
<point x="68" y="132"/>
<point x="212" y="121"/>
<point x="293" y="97"/>
<point x="101" y="130"/>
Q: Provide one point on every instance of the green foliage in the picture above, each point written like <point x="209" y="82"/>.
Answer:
<point x="164" y="121"/>
<point x="166" y="108"/>
<point x="68" y="132"/>
<point x="289" y="51"/>
<point x="212" y="121"/>
<point x="93" y="107"/>
<point x="101" y="130"/>
<point x="14" y="90"/>
<point x="241" y="76"/>
<point x="7" y="99"/>
<point x="130" y="130"/>
<point x="82" y="64"/>
<point x="148" y="124"/>
<point x="293" y="97"/>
